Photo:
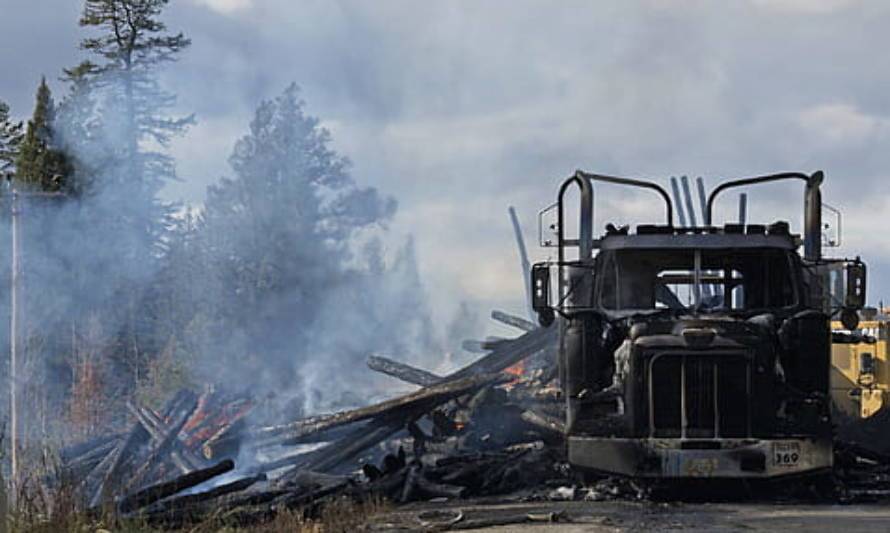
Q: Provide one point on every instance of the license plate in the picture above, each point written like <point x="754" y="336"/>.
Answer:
<point x="786" y="454"/>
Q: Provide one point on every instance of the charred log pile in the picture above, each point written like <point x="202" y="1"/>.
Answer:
<point x="158" y="446"/>
<point x="490" y="428"/>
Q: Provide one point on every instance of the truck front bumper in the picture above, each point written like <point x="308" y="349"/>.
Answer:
<point x="712" y="458"/>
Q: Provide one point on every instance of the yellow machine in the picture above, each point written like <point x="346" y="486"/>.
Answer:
<point x="860" y="370"/>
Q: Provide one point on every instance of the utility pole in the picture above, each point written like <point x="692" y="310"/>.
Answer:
<point x="15" y="321"/>
<point x="13" y="340"/>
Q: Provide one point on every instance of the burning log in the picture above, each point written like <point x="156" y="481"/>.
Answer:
<point x="225" y="441"/>
<point x="515" y="321"/>
<point x="410" y="374"/>
<point x="404" y="407"/>
<point x="160" y="491"/>
<point x="509" y="353"/>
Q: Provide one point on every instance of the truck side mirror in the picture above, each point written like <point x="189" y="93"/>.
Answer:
<point x="855" y="293"/>
<point x="540" y="280"/>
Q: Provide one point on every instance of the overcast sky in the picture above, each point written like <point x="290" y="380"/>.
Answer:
<point x="461" y="108"/>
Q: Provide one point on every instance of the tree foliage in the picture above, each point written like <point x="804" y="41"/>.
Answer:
<point x="284" y="271"/>
<point x="40" y="164"/>
<point x="132" y="44"/>
<point x="10" y="138"/>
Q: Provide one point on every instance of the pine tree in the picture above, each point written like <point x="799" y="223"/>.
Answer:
<point x="10" y="138"/>
<point x="276" y="242"/>
<point x="40" y="164"/>
<point x="126" y="112"/>
<point x="134" y="43"/>
<point x="79" y="130"/>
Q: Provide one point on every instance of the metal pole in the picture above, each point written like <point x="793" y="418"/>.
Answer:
<point x="523" y="259"/>
<point x="13" y="342"/>
<point x="681" y="213"/>
<point x="684" y="182"/>
<point x="702" y="200"/>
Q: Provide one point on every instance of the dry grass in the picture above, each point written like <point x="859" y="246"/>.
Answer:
<point x="338" y="516"/>
<point x="44" y="500"/>
<point x="39" y="514"/>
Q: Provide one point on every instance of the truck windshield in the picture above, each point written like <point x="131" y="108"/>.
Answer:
<point x="743" y="280"/>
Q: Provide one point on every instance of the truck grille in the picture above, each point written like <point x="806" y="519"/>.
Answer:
<point x="699" y="396"/>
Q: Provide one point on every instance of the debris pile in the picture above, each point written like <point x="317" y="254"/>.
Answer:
<point x="491" y="428"/>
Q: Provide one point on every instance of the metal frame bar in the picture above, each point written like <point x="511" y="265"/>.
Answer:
<point x="812" y="205"/>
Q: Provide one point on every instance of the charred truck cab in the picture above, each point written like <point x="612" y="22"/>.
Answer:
<point x="695" y="351"/>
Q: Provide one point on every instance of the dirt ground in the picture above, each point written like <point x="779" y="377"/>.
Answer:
<point x="571" y="517"/>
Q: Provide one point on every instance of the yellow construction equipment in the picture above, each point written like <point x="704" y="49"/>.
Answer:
<point x="860" y="366"/>
<point x="860" y="381"/>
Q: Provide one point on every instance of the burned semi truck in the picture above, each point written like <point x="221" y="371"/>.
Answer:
<point x="695" y="351"/>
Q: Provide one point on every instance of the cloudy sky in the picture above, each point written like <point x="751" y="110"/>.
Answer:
<point x="461" y="108"/>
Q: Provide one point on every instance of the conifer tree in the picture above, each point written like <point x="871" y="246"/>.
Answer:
<point x="126" y="114"/>
<point x="40" y="164"/>
<point x="10" y="138"/>
<point x="132" y="44"/>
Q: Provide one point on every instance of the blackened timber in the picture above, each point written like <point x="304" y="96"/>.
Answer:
<point x="91" y="456"/>
<point x="416" y="402"/>
<point x="76" y="452"/>
<point x="549" y="424"/>
<point x="118" y="460"/>
<point x="162" y="447"/>
<point x="509" y="352"/>
<point x="515" y="321"/>
<point x="473" y="346"/>
<point x="184" y="460"/>
<point x="93" y="482"/>
<point x="341" y="451"/>
<point x="408" y="373"/>
<point x="431" y="489"/>
<point x="160" y="491"/>
<point x="182" y="503"/>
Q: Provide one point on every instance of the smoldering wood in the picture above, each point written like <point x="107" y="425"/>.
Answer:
<point x="155" y="428"/>
<point x="409" y="485"/>
<point x="509" y="353"/>
<point x="92" y="484"/>
<point x="347" y="448"/>
<point x="513" y="320"/>
<point x="184" y="459"/>
<point x="92" y="456"/>
<point x="402" y="371"/>
<point x="554" y="427"/>
<point x="420" y="400"/>
<point x="160" y="491"/>
<point x="223" y="439"/>
<point x="431" y="489"/>
<point x="119" y="459"/>
<point x="76" y="452"/>
<point x="163" y="446"/>
<point x="311" y="480"/>
<point x="157" y="511"/>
